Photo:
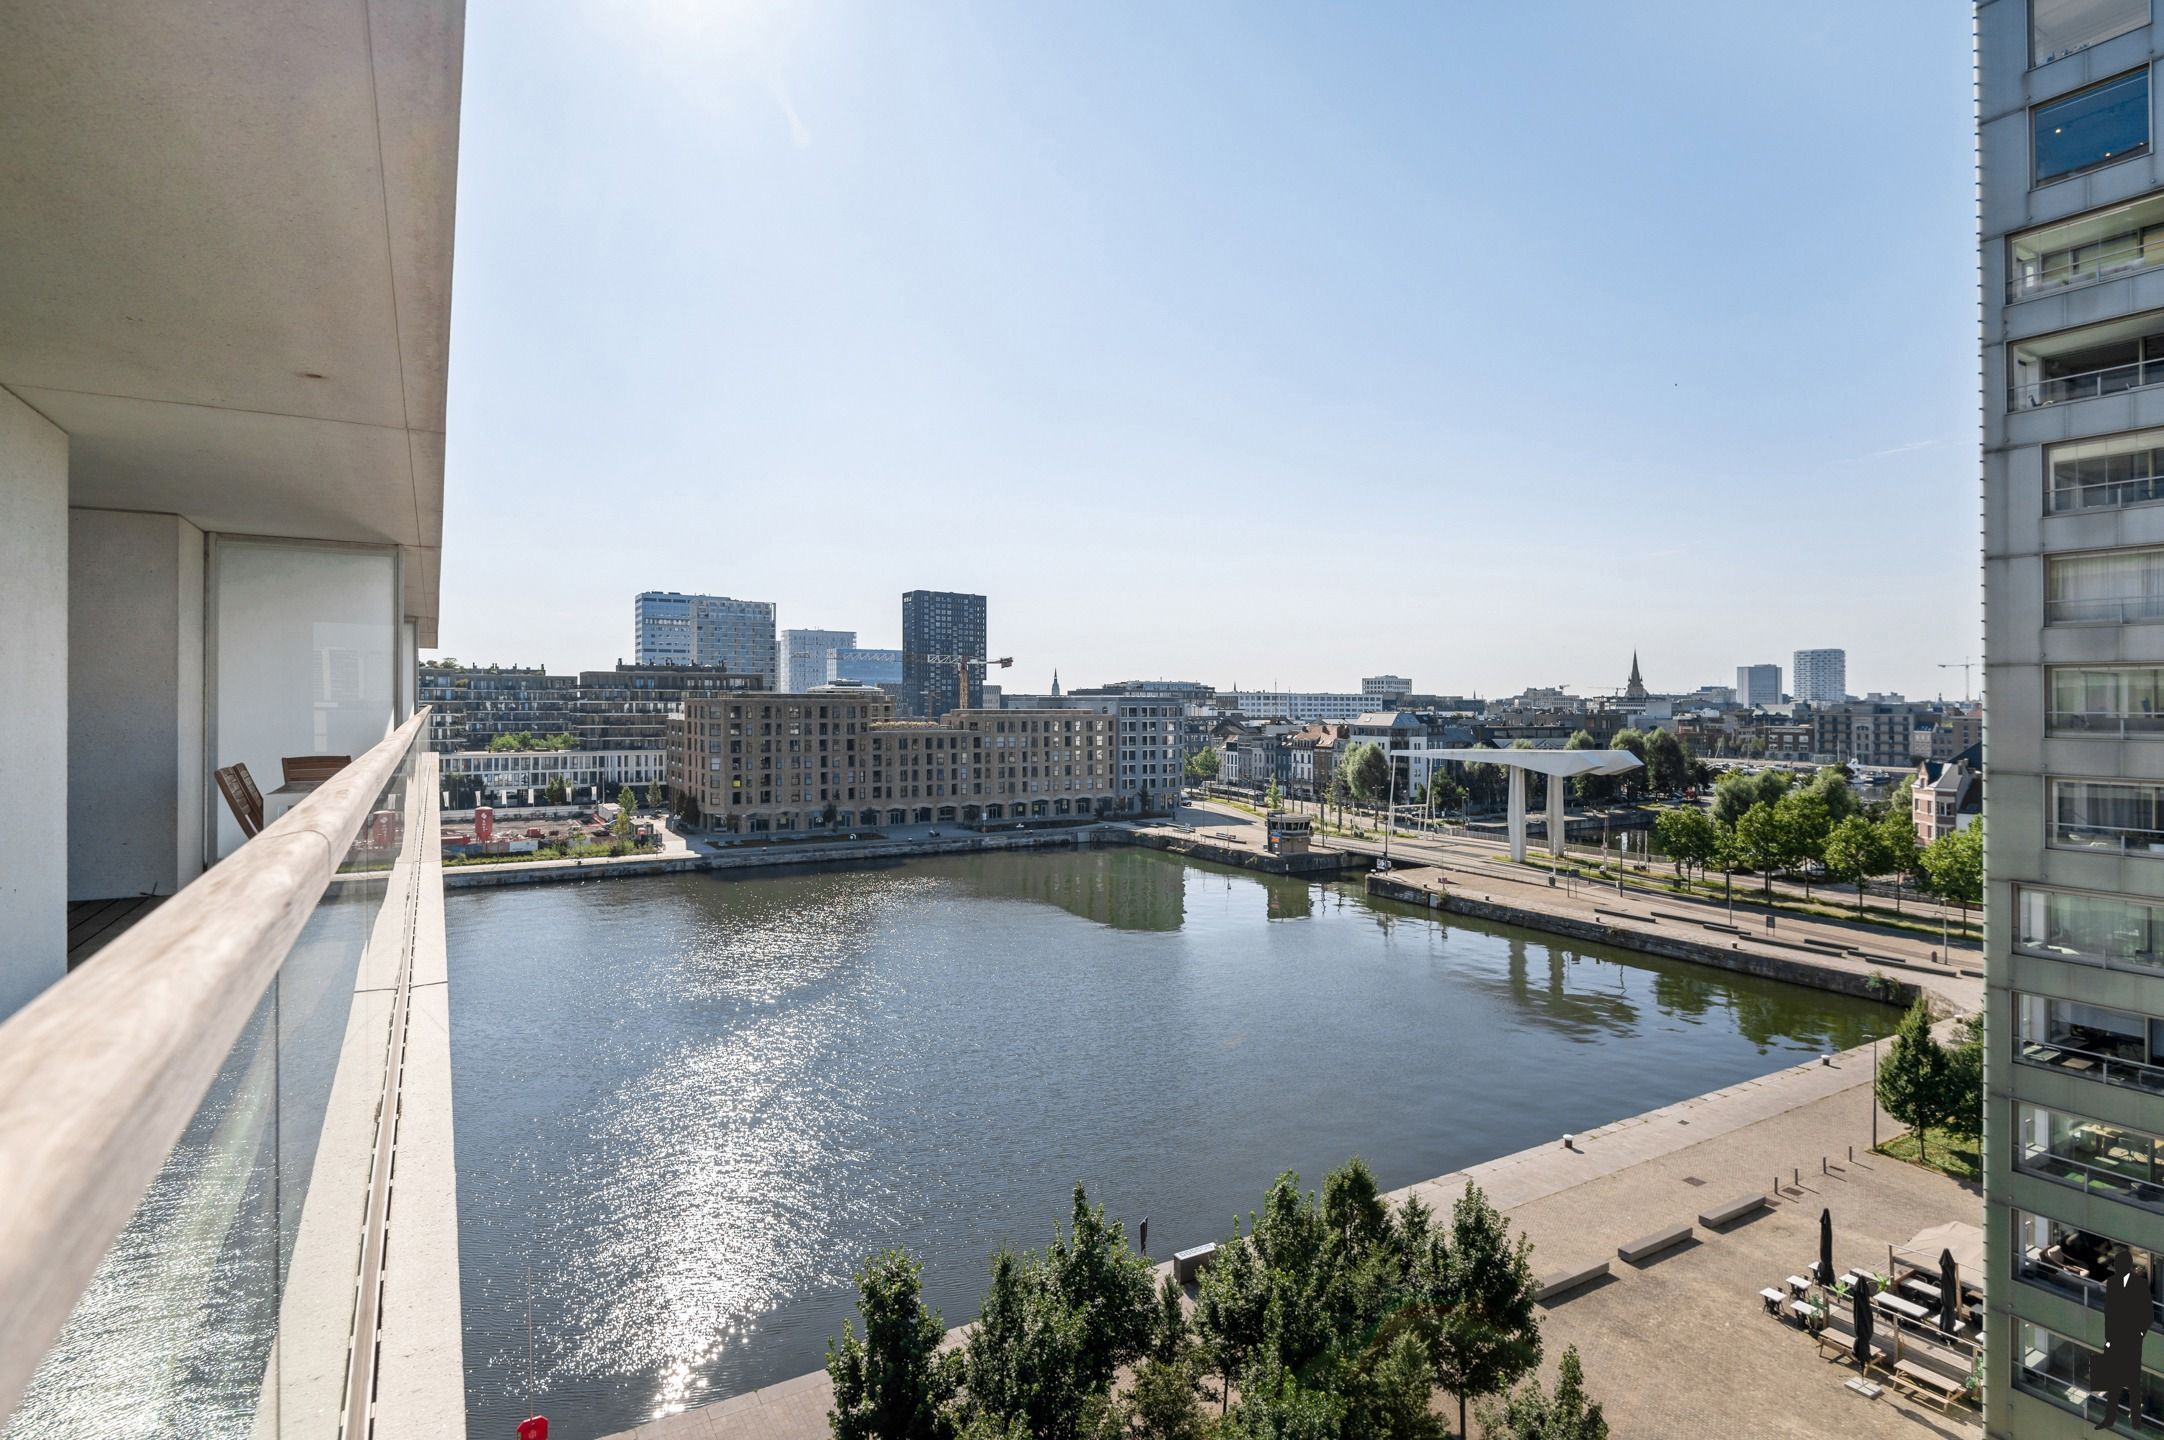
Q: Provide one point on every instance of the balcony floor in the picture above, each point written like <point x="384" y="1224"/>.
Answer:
<point x="95" y="924"/>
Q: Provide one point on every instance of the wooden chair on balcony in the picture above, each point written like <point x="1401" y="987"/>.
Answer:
<point x="312" y="769"/>
<point x="242" y="798"/>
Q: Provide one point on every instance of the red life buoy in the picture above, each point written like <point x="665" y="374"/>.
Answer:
<point x="534" y="1427"/>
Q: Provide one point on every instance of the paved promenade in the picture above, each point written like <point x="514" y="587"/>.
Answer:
<point x="1679" y="1347"/>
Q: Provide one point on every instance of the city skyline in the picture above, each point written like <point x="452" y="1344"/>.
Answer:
<point x="1160" y="362"/>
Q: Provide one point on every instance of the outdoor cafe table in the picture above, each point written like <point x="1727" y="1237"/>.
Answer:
<point x="1899" y="1306"/>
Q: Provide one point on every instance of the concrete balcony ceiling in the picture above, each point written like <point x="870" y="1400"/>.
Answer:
<point x="227" y="275"/>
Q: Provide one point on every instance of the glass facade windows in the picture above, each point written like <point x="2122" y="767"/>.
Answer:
<point x="2094" y="247"/>
<point x="2096" y="126"/>
<point x="2100" y="929"/>
<point x="2117" y="587"/>
<point x="2093" y="474"/>
<point x="2090" y="1155"/>
<point x="2121" y="815"/>
<point x="2060" y="27"/>
<point x="2048" y="1365"/>
<point x="2106" y="699"/>
<point x="2114" y="1046"/>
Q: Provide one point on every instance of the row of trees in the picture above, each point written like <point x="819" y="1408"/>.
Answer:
<point x="527" y="740"/>
<point x="1767" y="823"/>
<point x="1335" y="1316"/>
<point x="1928" y="1086"/>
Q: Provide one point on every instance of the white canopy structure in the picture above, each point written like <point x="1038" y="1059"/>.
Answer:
<point x="1557" y="765"/>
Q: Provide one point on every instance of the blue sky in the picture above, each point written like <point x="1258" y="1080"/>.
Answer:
<point x="1249" y="343"/>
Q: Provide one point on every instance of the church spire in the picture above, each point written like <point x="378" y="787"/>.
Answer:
<point x="1055" y="684"/>
<point x="1636" y="689"/>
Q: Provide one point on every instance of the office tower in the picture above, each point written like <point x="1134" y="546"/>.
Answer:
<point x="2071" y="205"/>
<point x="939" y="628"/>
<point x="806" y="654"/>
<point x="669" y="628"/>
<point x="1821" y="676"/>
<point x="1758" y="684"/>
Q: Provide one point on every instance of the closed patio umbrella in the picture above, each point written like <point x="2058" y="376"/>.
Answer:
<point x="1949" y="1291"/>
<point x="1863" y="1320"/>
<point x="1825" y="1247"/>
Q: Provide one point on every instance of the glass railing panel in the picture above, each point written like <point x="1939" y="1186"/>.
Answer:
<point x="187" y="1327"/>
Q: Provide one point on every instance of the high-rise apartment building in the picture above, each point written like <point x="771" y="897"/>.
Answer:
<point x="669" y="628"/>
<point x="1758" y="684"/>
<point x="807" y="654"/>
<point x="940" y="628"/>
<point x="1820" y="676"/>
<point x="867" y="667"/>
<point x="2072" y="261"/>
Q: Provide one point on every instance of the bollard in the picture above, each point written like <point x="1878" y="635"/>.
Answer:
<point x="1851" y="1154"/>
<point x="1822" y="1165"/>
<point x="1797" y="1175"/>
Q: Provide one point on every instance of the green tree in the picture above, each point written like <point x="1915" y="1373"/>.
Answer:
<point x="1915" y="1077"/>
<point x="1365" y="771"/>
<point x="1668" y="763"/>
<point x="1444" y="793"/>
<point x="1735" y="792"/>
<point x="1965" y="1081"/>
<point x="653" y="794"/>
<point x="1689" y="837"/>
<point x="1203" y="764"/>
<point x="1484" y="1334"/>
<point x="1633" y="783"/>
<point x="1590" y="789"/>
<point x="1802" y="822"/>
<point x="1274" y="797"/>
<point x="1095" y="1274"/>
<point x="556" y="793"/>
<point x="1023" y="1361"/>
<point x="893" y="1384"/>
<point x="1954" y="865"/>
<point x="1531" y="1414"/>
<point x="1832" y="787"/>
<point x="1232" y="1311"/>
<point x="1760" y="842"/>
<point x="1853" y="852"/>
<point x="626" y="802"/>
<point x="1898" y="854"/>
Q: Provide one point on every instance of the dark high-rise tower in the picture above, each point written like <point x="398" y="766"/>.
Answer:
<point x="940" y="627"/>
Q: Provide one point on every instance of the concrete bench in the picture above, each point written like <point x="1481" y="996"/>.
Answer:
<point x="1733" y="1210"/>
<point x="1618" y="914"/>
<point x="1562" y="1282"/>
<point x="1654" y="1244"/>
<point x="1187" y="1264"/>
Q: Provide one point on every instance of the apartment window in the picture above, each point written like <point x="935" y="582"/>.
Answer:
<point x="2106" y="699"/>
<point x="2090" y="1155"/>
<point x="2116" y="1047"/>
<point x="2060" y="27"/>
<point x="2088" y="248"/>
<point x="2062" y="1371"/>
<point x="2118" y="470"/>
<point x="2098" y="929"/>
<point x="2120" y="815"/>
<point x="2116" y="587"/>
<point x="2092" y="127"/>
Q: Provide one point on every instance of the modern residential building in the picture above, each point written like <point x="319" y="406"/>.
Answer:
<point x="224" y="340"/>
<point x="1155" y="733"/>
<point x="1820" y="676"/>
<point x="522" y="777"/>
<point x="1407" y="737"/>
<point x="867" y="667"/>
<point x="2071" y="192"/>
<point x="1300" y="705"/>
<point x="670" y="628"/>
<point x="941" y="629"/>
<point x="1385" y="687"/>
<point x="619" y="709"/>
<point x="807" y="657"/>
<point x="1758" y="684"/>
<point x="839" y="758"/>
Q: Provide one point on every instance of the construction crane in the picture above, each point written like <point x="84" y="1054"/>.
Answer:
<point x="962" y="664"/>
<point x="1964" y="666"/>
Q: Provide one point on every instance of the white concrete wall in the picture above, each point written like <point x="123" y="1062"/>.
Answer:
<point x="135" y="704"/>
<point x="34" y="676"/>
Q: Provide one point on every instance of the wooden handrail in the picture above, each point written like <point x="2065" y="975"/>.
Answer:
<point x="100" y="1074"/>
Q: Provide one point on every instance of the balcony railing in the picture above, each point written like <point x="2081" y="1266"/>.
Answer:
<point x="2031" y="1265"/>
<point x="2118" y="839"/>
<point x="2110" y="724"/>
<point x="2085" y="384"/>
<point x="2092" y="1065"/>
<point x="172" y="1111"/>
<point x="2105" y="610"/>
<point x="2106" y="494"/>
<point x="2030" y="282"/>
<point x="2129" y="1181"/>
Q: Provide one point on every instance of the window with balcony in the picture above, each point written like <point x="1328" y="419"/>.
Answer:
<point x="2083" y="364"/>
<point x="2090" y="1155"/>
<point x="2111" y="700"/>
<point x="2126" y="816"/>
<point x="2097" y="929"/>
<point x="2107" y="122"/>
<point x="2060" y="27"/>
<point x="2086" y="249"/>
<point x="2117" y="587"/>
<point x="2100" y="474"/>
<point x="2076" y="1263"/>
<point x="2112" y="1046"/>
<point x="2062" y="1371"/>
